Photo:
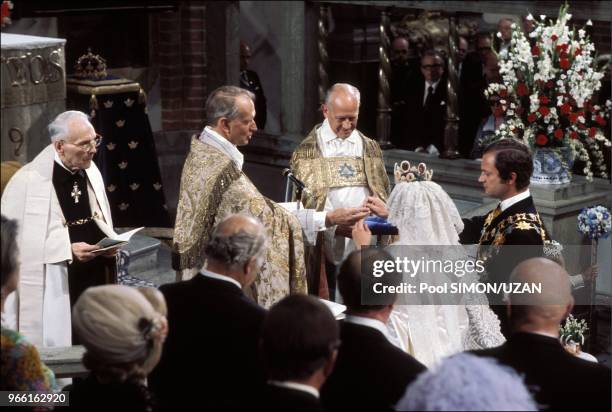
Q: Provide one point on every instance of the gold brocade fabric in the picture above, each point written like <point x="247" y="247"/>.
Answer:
<point x="212" y="188"/>
<point x="320" y="174"/>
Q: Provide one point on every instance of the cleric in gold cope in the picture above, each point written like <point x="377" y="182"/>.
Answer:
<point x="60" y="204"/>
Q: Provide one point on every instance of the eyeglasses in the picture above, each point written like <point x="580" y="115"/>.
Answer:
<point x="431" y="66"/>
<point x="85" y="146"/>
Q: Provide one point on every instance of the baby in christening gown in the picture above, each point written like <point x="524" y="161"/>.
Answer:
<point x="426" y="215"/>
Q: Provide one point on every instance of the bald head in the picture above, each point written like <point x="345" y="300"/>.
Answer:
<point x="543" y="310"/>
<point x="341" y="109"/>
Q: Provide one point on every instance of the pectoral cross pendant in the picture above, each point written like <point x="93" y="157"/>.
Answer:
<point x="76" y="193"/>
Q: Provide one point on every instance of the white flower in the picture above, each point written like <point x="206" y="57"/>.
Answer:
<point x="542" y="16"/>
<point x="589" y="23"/>
<point x="529" y="17"/>
<point x="499" y="35"/>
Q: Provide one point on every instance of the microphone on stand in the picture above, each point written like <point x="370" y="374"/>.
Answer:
<point x="289" y="175"/>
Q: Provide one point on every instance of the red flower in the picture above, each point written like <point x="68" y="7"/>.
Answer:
<point x="564" y="64"/>
<point x="521" y="89"/>
<point x="573" y="117"/>
<point x="600" y="120"/>
<point x="544" y="110"/>
<point x="558" y="133"/>
<point x="541" y="140"/>
<point x="577" y="51"/>
<point x="592" y="132"/>
<point x="503" y="93"/>
<point x="543" y="99"/>
<point x="554" y="37"/>
<point x="535" y="51"/>
<point x="574" y="134"/>
<point x="532" y="117"/>
<point x="563" y="55"/>
<point x="550" y="84"/>
<point x="565" y="108"/>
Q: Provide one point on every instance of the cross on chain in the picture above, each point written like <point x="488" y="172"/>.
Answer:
<point x="75" y="193"/>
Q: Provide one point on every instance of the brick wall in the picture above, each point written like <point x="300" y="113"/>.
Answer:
<point x="179" y="50"/>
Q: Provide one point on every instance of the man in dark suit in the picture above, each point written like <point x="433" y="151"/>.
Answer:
<point x="513" y="231"/>
<point x="427" y="107"/>
<point x="558" y="379"/>
<point x="299" y="346"/>
<point x="371" y="373"/>
<point x="213" y="327"/>
<point x="249" y="80"/>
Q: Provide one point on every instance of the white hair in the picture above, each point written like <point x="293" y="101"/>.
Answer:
<point x="58" y="128"/>
<point x="465" y="382"/>
<point x="348" y="88"/>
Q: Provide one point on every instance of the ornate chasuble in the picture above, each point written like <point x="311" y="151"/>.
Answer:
<point x="212" y="188"/>
<point x="320" y="173"/>
<point x="73" y="197"/>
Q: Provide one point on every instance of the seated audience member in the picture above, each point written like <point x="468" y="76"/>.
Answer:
<point x="21" y="368"/>
<point x="371" y="372"/>
<point x="123" y="331"/>
<point x="299" y="346"/>
<point x="211" y="354"/>
<point x="486" y="132"/>
<point x="561" y="380"/>
<point x="465" y="382"/>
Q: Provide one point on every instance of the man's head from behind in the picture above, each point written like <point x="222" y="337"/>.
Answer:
<point x="74" y="139"/>
<point x="230" y="111"/>
<point x="356" y="281"/>
<point x="237" y="248"/>
<point x="540" y="311"/>
<point x="506" y="168"/>
<point x="299" y="340"/>
<point x="341" y="108"/>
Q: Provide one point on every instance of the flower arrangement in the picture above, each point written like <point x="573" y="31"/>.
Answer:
<point x="595" y="222"/>
<point x="573" y="330"/>
<point x="546" y="90"/>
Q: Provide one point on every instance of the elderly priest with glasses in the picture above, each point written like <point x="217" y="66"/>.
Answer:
<point x="60" y="204"/>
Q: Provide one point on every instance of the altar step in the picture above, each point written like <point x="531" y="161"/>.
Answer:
<point x="149" y="261"/>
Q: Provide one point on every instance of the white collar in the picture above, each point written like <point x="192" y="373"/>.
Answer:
<point x="505" y="204"/>
<point x="217" y="276"/>
<point x="434" y="85"/>
<point x="550" y="335"/>
<point x="327" y="134"/>
<point x="296" y="386"/>
<point x="370" y="323"/>
<point x="223" y="144"/>
<point x="59" y="162"/>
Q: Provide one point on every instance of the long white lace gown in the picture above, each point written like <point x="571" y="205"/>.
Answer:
<point x="426" y="215"/>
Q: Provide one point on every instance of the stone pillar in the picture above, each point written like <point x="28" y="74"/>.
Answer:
<point x="292" y="69"/>
<point x="322" y="49"/>
<point x="451" y="129"/>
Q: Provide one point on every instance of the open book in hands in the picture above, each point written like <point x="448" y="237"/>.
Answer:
<point x="117" y="241"/>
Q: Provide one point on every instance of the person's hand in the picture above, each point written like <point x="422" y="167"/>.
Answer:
<point x="361" y="234"/>
<point x="346" y="216"/>
<point x="84" y="252"/>
<point x="376" y="206"/>
<point x="342" y="230"/>
<point x="110" y="253"/>
<point x="590" y="273"/>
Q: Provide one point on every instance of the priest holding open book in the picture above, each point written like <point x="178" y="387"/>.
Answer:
<point x="60" y="203"/>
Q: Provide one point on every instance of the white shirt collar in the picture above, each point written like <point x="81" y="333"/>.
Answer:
<point x="370" y="323"/>
<point x="223" y="144"/>
<point x="327" y="134"/>
<point x="434" y="85"/>
<point x="296" y="386"/>
<point x="505" y="204"/>
<point x="59" y="162"/>
<point x="217" y="276"/>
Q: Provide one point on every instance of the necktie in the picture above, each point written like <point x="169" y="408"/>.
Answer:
<point x="429" y="99"/>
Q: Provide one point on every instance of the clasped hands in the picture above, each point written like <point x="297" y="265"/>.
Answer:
<point x="84" y="252"/>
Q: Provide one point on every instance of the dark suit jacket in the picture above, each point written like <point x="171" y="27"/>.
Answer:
<point x="426" y="123"/>
<point x="558" y="380"/>
<point x="285" y="399"/>
<point x="473" y="106"/>
<point x="370" y="372"/>
<point x="210" y="357"/>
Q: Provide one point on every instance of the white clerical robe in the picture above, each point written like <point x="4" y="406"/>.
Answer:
<point x="338" y="247"/>
<point x="40" y="308"/>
